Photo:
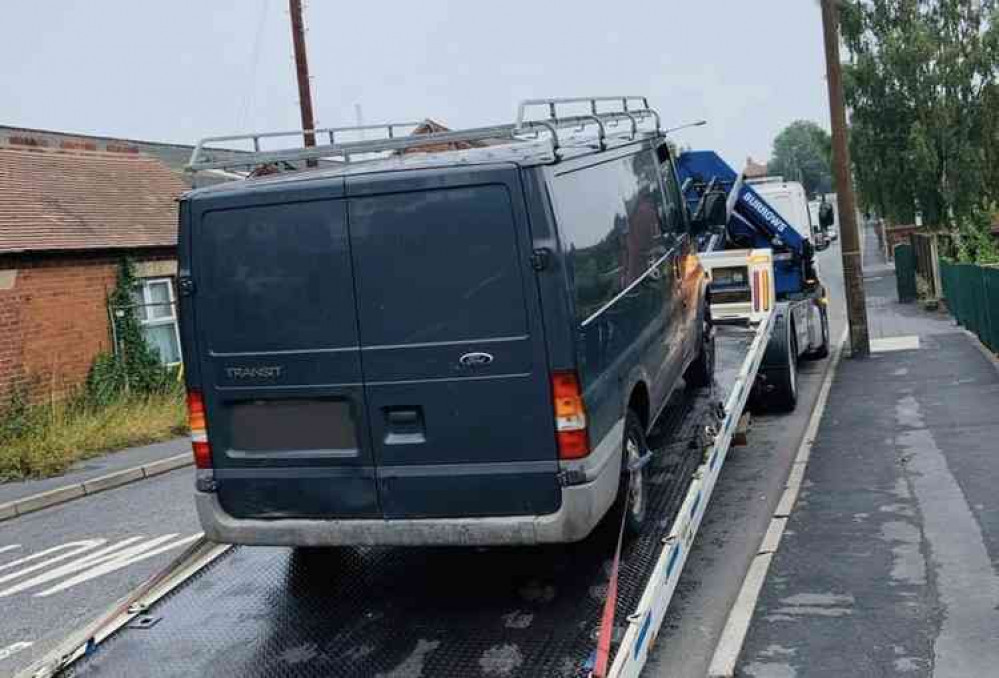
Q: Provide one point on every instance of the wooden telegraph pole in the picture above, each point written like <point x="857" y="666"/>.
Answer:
<point x="302" y="71"/>
<point x="853" y="272"/>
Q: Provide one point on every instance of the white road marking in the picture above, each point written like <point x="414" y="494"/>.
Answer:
<point x="74" y="548"/>
<point x="11" y="650"/>
<point x="117" y="563"/>
<point x="11" y="547"/>
<point x="82" y="562"/>
<point x="69" y="568"/>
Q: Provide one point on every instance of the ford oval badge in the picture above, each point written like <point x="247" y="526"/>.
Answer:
<point x="475" y="360"/>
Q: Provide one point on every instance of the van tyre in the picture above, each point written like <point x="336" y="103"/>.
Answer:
<point x="782" y="377"/>
<point x="632" y="491"/>
<point x="701" y="372"/>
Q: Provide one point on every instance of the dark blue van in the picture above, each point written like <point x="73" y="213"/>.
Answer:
<point x="462" y="346"/>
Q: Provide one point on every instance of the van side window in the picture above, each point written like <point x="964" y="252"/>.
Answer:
<point x="611" y="226"/>
<point x="674" y="223"/>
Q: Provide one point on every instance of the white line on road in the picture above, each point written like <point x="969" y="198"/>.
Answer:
<point x="734" y="635"/>
<point x="11" y="650"/>
<point x="11" y="547"/>
<point x="119" y="562"/>
<point x="83" y="563"/>
<point x="74" y="548"/>
<point x="69" y="568"/>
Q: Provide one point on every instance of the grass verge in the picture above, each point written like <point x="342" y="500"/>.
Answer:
<point x="42" y="441"/>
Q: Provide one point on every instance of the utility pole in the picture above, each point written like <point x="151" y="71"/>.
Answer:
<point x="302" y="71"/>
<point x="853" y="272"/>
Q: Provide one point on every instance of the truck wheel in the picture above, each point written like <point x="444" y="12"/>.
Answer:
<point x="632" y="491"/>
<point x="823" y="350"/>
<point x="701" y="372"/>
<point x="783" y="380"/>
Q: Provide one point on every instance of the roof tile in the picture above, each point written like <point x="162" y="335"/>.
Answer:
<point x="79" y="200"/>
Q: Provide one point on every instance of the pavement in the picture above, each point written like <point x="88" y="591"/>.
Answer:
<point x="889" y="565"/>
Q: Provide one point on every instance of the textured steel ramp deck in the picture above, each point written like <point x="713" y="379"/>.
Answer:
<point x="397" y="612"/>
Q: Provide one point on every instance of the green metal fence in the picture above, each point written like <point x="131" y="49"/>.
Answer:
<point x="905" y="273"/>
<point x="972" y="294"/>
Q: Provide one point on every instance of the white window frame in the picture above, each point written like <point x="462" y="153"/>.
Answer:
<point x="145" y="321"/>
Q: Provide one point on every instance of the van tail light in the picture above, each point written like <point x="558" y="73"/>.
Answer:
<point x="199" y="430"/>
<point x="570" y="416"/>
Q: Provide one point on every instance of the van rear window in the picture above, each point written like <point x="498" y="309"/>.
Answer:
<point x="276" y="278"/>
<point x="439" y="265"/>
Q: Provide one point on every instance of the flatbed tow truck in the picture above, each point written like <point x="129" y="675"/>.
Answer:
<point x="221" y="610"/>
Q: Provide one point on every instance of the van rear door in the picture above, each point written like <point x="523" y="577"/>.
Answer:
<point x="453" y="353"/>
<point x="280" y="362"/>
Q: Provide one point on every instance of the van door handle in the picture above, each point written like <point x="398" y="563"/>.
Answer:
<point x="404" y="426"/>
<point x="398" y="417"/>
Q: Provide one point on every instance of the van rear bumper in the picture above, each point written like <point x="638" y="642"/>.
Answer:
<point x="582" y="508"/>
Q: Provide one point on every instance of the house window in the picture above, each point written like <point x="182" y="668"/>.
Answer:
<point x="156" y="310"/>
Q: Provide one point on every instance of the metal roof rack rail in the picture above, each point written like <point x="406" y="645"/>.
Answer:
<point x="633" y="110"/>
<point x="603" y="119"/>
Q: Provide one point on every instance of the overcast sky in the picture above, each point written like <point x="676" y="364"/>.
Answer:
<point x="183" y="69"/>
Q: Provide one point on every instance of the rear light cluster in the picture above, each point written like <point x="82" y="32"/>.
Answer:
<point x="761" y="291"/>
<point x="570" y="416"/>
<point x="199" y="430"/>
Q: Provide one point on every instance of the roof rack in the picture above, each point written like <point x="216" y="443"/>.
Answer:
<point x="633" y="110"/>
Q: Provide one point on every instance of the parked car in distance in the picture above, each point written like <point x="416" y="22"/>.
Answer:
<point x="456" y="347"/>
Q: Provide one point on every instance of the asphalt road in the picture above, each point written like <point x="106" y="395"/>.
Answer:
<point x="749" y="487"/>
<point x="63" y="566"/>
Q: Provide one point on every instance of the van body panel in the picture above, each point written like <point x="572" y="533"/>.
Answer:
<point x="455" y="371"/>
<point x="552" y="278"/>
<point x="622" y="262"/>
<point x="279" y="357"/>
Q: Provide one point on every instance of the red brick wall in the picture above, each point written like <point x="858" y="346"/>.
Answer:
<point x="54" y="321"/>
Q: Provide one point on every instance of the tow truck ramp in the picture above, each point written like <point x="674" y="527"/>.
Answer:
<point x="393" y="612"/>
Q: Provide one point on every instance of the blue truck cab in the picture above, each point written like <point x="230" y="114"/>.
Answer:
<point x="450" y="347"/>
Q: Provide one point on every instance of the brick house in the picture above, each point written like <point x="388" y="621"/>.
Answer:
<point x="68" y="216"/>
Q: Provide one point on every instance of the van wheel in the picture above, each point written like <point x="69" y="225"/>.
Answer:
<point x="701" y="372"/>
<point x="632" y="491"/>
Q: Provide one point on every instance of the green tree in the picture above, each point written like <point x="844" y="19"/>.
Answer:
<point x="801" y="152"/>
<point x="921" y="85"/>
